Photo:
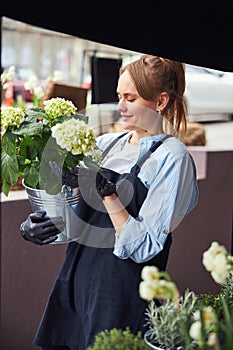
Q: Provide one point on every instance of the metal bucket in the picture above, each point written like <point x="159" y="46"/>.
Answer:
<point x="57" y="205"/>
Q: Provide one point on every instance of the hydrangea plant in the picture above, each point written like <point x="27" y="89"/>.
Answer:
<point x="31" y="138"/>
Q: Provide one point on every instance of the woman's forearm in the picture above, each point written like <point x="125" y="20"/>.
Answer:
<point x="117" y="212"/>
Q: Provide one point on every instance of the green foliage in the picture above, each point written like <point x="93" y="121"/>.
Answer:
<point x="222" y="303"/>
<point x="169" y="323"/>
<point x="118" y="339"/>
<point x="215" y="300"/>
<point x="23" y="149"/>
<point x="227" y="325"/>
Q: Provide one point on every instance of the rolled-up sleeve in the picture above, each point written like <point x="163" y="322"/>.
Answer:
<point x="172" y="194"/>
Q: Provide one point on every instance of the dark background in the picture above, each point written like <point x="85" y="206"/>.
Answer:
<point x="191" y="31"/>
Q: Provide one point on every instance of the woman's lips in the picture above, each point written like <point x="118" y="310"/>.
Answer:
<point x="125" y="116"/>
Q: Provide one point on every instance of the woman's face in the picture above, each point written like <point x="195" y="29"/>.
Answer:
<point x="136" y="112"/>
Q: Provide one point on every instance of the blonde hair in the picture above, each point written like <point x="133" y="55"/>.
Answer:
<point x="153" y="75"/>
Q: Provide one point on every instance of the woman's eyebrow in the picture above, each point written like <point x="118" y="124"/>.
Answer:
<point x="127" y="94"/>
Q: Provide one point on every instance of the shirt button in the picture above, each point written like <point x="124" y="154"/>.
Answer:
<point x="165" y="232"/>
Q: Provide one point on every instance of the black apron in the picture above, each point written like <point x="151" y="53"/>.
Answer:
<point x="95" y="290"/>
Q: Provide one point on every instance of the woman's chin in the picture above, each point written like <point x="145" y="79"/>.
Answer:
<point x="127" y="126"/>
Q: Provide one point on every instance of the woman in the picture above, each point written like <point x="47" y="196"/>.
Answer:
<point x="146" y="186"/>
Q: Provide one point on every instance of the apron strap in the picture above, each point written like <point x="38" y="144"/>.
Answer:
<point x="136" y="168"/>
<point x="105" y="152"/>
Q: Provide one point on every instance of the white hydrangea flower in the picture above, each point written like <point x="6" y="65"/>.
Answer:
<point x="75" y="136"/>
<point x="57" y="106"/>
<point x="10" y="116"/>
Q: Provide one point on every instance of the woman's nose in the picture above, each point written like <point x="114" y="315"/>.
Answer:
<point x="122" y="107"/>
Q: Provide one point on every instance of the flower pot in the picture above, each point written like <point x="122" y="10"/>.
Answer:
<point x="152" y="343"/>
<point x="57" y="205"/>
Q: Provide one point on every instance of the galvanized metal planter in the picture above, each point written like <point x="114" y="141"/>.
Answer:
<point x="56" y="205"/>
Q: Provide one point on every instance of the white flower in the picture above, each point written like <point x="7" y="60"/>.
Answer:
<point x="146" y="290"/>
<point x="10" y="116"/>
<point x="57" y="106"/>
<point x="38" y="91"/>
<point x="8" y="74"/>
<point x="55" y="76"/>
<point x="213" y="339"/>
<point x="219" y="278"/>
<point x="150" y="273"/>
<point x="209" y="319"/>
<point x="155" y="286"/>
<point x="195" y="330"/>
<point x="218" y="262"/>
<point x="210" y="255"/>
<point x="74" y="135"/>
<point x="31" y="83"/>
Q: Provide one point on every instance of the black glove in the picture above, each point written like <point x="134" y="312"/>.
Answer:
<point x="88" y="178"/>
<point x="68" y="177"/>
<point x="40" y="229"/>
<point x="104" y="187"/>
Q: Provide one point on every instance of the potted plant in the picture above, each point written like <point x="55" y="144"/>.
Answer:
<point x="32" y="137"/>
<point x="219" y="262"/>
<point x="168" y="323"/>
<point x="192" y="321"/>
<point x="119" y="339"/>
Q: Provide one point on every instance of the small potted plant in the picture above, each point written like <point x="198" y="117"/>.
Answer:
<point x="119" y="339"/>
<point x="203" y="322"/>
<point x="168" y="324"/>
<point x="219" y="262"/>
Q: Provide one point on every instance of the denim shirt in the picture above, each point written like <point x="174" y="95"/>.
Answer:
<point x="169" y="174"/>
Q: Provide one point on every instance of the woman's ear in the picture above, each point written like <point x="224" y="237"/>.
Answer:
<point x="162" y="101"/>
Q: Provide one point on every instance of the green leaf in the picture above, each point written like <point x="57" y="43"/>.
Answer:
<point x="31" y="176"/>
<point x="32" y="114"/>
<point x="30" y="129"/>
<point x="10" y="168"/>
<point x="52" y="185"/>
<point x="8" y="144"/>
<point x="72" y="160"/>
<point x="62" y="118"/>
<point x="24" y="146"/>
<point x="79" y="116"/>
<point x="5" y="188"/>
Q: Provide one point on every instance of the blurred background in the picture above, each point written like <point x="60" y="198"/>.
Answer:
<point x="88" y="76"/>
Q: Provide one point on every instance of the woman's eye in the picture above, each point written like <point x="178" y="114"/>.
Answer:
<point x="130" y="99"/>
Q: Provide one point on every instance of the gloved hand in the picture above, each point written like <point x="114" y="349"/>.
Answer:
<point x="68" y="177"/>
<point x="88" y="178"/>
<point x="104" y="187"/>
<point x="40" y="229"/>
